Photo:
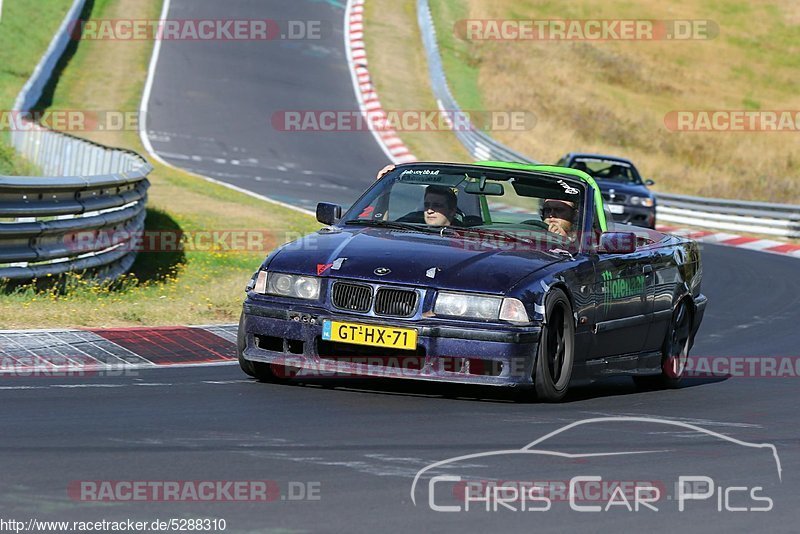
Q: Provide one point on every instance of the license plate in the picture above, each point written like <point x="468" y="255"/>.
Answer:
<point x="616" y="209"/>
<point x="372" y="335"/>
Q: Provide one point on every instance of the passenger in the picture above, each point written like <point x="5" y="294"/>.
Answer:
<point x="560" y="216"/>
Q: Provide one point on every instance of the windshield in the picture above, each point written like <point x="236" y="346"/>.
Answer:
<point x="469" y="200"/>
<point x="613" y="170"/>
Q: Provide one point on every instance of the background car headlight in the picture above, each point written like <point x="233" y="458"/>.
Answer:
<point x="476" y="307"/>
<point x="287" y="285"/>
<point x="647" y="202"/>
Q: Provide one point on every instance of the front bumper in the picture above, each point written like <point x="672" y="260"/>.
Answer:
<point x="635" y="215"/>
<point x="446" y="352"/>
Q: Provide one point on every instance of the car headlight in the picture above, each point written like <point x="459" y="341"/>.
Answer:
<point x="476" y="307"/>
<point x="287" y="285"/>
<point x="647" y="202"/>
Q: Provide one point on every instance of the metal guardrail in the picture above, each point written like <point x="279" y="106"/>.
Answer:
<point x="89" y="193"/>
<point x="720" y="214"/>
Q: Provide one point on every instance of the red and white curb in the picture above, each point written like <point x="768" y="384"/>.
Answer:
<point x="732" y="240"/>
<point x="368" y="100"/>
<point x="73" y="351"/>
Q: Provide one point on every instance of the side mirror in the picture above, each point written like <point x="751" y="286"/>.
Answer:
<point x="618" y="242"/>
<point x="649" y="182"/>
<point x="328" y="213"/>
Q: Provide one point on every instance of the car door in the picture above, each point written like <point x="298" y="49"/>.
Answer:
<point x="624" y="296"/>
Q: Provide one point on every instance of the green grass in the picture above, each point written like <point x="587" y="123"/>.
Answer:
<point x="25" y="33"/>
<point x="11" y="164"/>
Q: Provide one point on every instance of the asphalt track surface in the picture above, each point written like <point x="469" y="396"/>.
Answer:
<point x="216" y="106"/>
<point x="360" y="442"/>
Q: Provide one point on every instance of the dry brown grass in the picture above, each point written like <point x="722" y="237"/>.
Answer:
<point x="612" y="96"/>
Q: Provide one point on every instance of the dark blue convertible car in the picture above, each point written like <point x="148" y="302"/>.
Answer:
<point x="491" y="273"/>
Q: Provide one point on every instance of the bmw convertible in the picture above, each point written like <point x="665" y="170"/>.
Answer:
<point x="493" y="273"/>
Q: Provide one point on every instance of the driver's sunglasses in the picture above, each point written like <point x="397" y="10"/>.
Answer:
<point x="435" y="205"/>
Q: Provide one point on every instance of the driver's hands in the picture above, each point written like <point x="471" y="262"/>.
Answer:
<point x="386" y="170"/>
<point x="555" y="228"/>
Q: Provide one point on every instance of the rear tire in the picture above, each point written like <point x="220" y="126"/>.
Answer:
<point x="674" y="351"/>
<point x="556" y="354"/>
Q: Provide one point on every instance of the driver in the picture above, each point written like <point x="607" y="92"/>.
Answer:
<point x="559" y="216"/>
<point x="440" y="206"/>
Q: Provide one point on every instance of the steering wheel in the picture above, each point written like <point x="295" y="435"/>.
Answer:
<point x="536" y="222"/>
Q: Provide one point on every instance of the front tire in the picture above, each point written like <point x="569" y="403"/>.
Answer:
<point x="556" y="354"/>
<point x="241" y="343"/>
<point x="264" y="372"/>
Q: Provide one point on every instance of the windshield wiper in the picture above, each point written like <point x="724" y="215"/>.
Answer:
<point x="562" y="252"/>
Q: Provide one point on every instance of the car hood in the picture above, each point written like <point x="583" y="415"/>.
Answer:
<point x="412" y="258"/>
<point x="622" y="187"/>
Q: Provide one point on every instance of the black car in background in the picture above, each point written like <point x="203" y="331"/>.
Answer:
<point x="625" y="193"/>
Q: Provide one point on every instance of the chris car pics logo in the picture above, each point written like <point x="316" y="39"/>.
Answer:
<point x="450" y="491"/>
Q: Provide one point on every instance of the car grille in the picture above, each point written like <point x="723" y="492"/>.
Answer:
<point x="353" y="297"/>
<point x="389" y="302"/>
<point x="395" y="302"/>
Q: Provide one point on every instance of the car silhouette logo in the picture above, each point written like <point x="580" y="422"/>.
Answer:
<point x="382" y="271"/>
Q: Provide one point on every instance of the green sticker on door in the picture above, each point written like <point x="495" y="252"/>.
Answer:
<point x="620" y="288"/>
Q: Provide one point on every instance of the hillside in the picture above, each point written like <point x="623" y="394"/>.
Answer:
<point x="613" y="96"/>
